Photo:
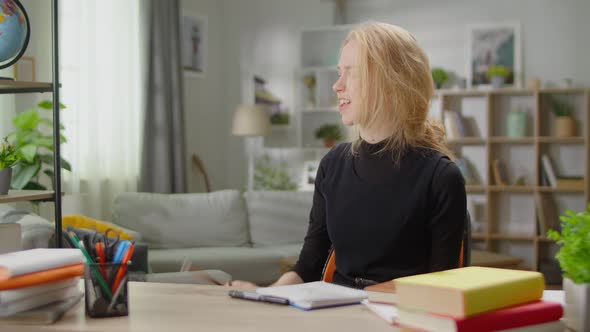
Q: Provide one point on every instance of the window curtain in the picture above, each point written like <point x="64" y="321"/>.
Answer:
<point x="102" y="83"/>
<point x="163" y="159"/>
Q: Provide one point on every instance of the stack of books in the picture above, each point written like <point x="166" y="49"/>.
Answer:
<point x="39" y="278"/>
<point x="476" y="299"/>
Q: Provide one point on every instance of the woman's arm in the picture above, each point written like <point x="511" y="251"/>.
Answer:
<point x="316" y="245"/>
<point x="448" y="217"/>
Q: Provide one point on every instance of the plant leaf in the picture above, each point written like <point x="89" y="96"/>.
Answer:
<point x="28" y="152"/>
<point x="28" y="119"/>
<point x="32" y="185"/>
<point x="23" y="174"/>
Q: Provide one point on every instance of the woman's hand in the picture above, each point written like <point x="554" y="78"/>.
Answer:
<point x="241" y="283"/>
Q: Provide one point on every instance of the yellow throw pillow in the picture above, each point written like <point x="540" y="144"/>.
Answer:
<point x="80" y="221"/>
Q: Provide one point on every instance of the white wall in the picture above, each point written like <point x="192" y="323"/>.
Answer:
<point x="205" y="111"/>
<point x="554" y="33"/>
<point x="246" y="37"/>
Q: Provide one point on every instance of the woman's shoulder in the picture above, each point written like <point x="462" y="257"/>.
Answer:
<point x="338" y="152"/>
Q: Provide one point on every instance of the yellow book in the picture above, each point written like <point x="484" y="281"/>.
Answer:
<point x="468" y="291"/>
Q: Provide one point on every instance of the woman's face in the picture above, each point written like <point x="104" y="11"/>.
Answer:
<point x="347" y="85"/>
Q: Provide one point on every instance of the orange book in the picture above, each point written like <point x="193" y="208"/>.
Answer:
<point x="41" y="277"/>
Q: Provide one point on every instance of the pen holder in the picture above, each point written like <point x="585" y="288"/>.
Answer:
<point x="105" y="290"/>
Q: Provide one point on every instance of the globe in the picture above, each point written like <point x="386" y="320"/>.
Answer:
<point x="14" y="32"/>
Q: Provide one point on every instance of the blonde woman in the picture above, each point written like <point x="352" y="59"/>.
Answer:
<point x="391" y="203"/>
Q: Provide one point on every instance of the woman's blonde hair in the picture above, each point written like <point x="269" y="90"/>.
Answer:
<point x="396" y="88"/>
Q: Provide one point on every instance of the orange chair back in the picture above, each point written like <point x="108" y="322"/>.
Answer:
<point x="330" y="266"/>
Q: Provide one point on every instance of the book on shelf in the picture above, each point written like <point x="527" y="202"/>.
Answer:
<point x="47" y="314"/>
<point x="454" y="125"/>
<point x="387" y="312"/>
<point x="550" y="214"/>
<point x="314" y="295"/>
<point x="532" y="313"/>
<point x="34" y="260"/>
<point x="467" y="291"/>
<point x="541" y="218"/>
<point x="500" y="178"/>
<point x="468" y="172"/>
<point x="549" y="170"/>
<point x="383" y="292"/>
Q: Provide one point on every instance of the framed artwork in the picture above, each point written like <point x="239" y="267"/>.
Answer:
<point x="492" y="45"/>
<point x="24" y="69"/>
<point x="310" y="169"/>
<point x="194" y="43"/>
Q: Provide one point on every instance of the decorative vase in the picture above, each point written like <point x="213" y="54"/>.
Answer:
<point x="565" y="126"/>
<point x="5" y="177"/>
<point x="577" y="305"/>
<point x="497" y="81"/>
<point x="516" y="124"/>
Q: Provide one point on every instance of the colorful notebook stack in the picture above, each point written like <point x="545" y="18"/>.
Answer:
<point x="35" y="278"/>
<point x="476" y="299"/>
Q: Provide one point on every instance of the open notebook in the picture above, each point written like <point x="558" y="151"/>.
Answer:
<point x="314" y="295"/>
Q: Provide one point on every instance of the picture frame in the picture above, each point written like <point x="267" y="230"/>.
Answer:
<point x="494" y="44"/>
<point x="310" y="170"/>
<point x="24" y="69"/>
<point x="194" y="44"/>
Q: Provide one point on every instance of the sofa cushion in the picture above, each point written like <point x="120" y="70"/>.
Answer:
<point x="184" y="220"/>
<point x="259" y="265"/>
<point x="278" y="217"/>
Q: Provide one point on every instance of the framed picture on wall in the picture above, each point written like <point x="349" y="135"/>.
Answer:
<point x="310" y="169"/>
<point x="24" y="69"/>
<point x="194" y="43"/>
<point x="494" y="45"/>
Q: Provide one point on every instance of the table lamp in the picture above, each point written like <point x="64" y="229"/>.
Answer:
<point x="250" y="121"/>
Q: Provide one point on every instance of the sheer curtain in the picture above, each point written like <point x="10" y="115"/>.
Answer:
<point x="102" y="82"/>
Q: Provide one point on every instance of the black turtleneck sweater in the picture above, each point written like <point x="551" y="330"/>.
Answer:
<point x="384" y="221"/>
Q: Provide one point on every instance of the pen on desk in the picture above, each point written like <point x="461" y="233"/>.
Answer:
<point x="257" y="297"/>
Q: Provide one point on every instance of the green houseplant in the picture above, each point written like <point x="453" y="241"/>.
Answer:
<point x="269" y="177"/>
<point x="9" y="156"/>
<point x="565" y="125"/>
<point x="439" y="76"/>
<point x="574" y="259"/>
<point x="330" y="133"/>
<point x="34" y="141"/>
<point x="497" y="75"/>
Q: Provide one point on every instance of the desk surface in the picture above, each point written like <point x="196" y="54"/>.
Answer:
<point x="178" y="307"/>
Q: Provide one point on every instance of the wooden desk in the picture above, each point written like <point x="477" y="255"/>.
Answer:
<point x="177" y="307"/>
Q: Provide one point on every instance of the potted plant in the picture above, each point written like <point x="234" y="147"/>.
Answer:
<point x="574" y="259"/>
<point x="279" y="119"/>
<point x="497" y="75"/>
<point x="35" y="147"/>
<point x="9" y="156"/>
<point x="330" y="133"/>
<point x="565" y="125"/>
<point x="439" y="76"/>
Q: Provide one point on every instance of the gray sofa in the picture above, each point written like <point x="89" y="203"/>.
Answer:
<point x="248" y="235"/>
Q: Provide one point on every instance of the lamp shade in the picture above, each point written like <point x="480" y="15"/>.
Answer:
<point x="250" y="120"/>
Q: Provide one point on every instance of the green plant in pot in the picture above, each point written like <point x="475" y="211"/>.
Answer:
<point x="33" y="139"/>
<point x="439" y="76"/>
<point x="574" y="259"/>
<point x="330" y="133"/>
<point x="497" y="75"/>
<point x="270" y="177"/>
<point x="565" y="125"/>
<point x="9" y="156"/>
